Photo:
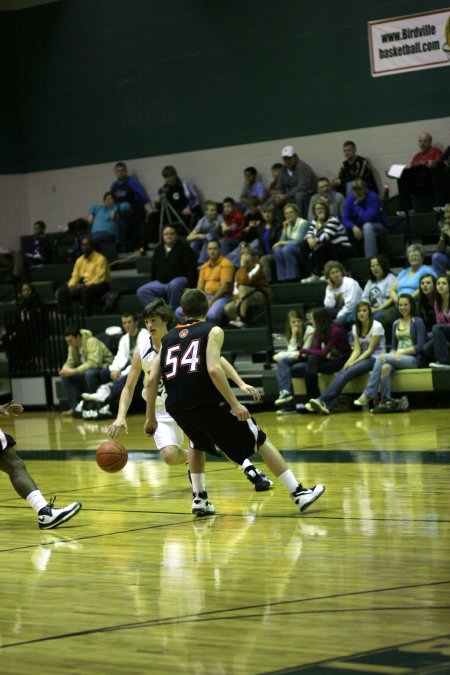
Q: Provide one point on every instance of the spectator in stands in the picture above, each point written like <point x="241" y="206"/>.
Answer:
<point x="425" y="301"/>
<point x="252" y="187"/>
<point x="334" y="200"/>
<point x="377" y="290"/>
<point x="274" y="170"/>
<point x="442" y="179"/>
<point x="103" y="219"/>
<point x="86" y="357"/>
<point x="253" y="221"/>
<point x="216" y="280"/>
<point x="23" y="338"/>
<point x="89" y="281"/>
<point x="287" y="249"/>
<point x="298" y="333"/>
<point x="330" y="350"/>
<point x="269" y="232"/>
<point x="408" y="340"/>
<point x="296" y="181"/>
<point x="232" y="226"/>
<point x="368" y="342"/>
<point x="111" y="380"/>
<point x="181" y="196"/>
<point x="364" y="218"/>
<point x="251" y="288"/>
<point x="418" y="180"/>
<point x="39" y="252"/>
<point x="174" y="267"/>
<point x="128" y="189"/>
<point x="441" y="329"/>
<point x="325" y="239"/>
<point x="208" y="227"/>
<point x="342" y="293"/>
<point x="407" y="282"/>
<point x="354" y="166"/>
<point x="441" y="260"/>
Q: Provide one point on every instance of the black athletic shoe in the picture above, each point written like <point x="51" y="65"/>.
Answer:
<point x="257" y="478"/>
<point x="49" y="517"/>
<point x="201" y="506"/>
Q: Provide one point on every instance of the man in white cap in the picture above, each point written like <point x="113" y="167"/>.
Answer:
<point x="296" y="181"/>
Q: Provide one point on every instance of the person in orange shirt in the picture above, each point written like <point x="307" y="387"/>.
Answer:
<point x="216" y="280"/>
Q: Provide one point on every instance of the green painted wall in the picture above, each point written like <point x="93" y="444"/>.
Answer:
<point x="101" y="80"/>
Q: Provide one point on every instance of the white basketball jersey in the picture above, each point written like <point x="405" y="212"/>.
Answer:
<point x="148" y="355"/>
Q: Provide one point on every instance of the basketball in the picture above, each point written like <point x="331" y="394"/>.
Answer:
<point x="111" y="456"/>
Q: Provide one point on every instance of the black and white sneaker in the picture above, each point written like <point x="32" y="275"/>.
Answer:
<point x="304" y="497"/>
<point x="257" y="478"/>
<point x="201" y="506"/>
<point x="49" y="517"/>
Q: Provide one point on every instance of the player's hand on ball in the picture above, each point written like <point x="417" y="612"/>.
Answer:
<point x="241" y="412"/>
<point x="116" y="426"/>
<point x="150" y="426"/>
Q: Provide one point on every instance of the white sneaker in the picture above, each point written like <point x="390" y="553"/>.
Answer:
<point x="310" y="280"/>
<point x="440" y="366"/>
<point x="284" y="397"/>
<point x="100" y="396"/>
<point x="304" y="497"/>
<point x="201" y="506"/>
<point x="49" y="517"/>
<point x="318" y="406"/>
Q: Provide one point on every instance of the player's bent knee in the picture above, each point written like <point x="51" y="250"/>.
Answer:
<point x="172" y="454"/>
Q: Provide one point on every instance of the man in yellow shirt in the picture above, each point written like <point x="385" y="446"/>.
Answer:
<point x="216" y="280"/>
<point x="89" y="281"/>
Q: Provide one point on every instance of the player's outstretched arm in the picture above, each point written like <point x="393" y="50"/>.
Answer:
<point x="232" y="374"/>
<point x="126" y="396"/>
<point x="11" y="408"/>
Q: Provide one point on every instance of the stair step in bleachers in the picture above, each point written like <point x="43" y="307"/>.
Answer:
<point x="144" y="264"/>
<point x="249" y="341"/>
<point x="57" y="273"/>
<point x="392" y="245"/>
<point x="131" y="282"/>
<point x="358" y="268"/>
<point x="100" y="322"/>
<point x="129" y="303"/>
<point x="295" y="292"/>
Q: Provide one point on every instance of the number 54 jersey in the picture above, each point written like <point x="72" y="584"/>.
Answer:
<point x="184" y="370"/>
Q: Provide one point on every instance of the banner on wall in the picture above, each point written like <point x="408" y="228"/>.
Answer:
<point x="409" y="43"/>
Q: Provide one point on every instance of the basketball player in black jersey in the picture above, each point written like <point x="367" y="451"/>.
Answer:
<point x="203" y="404"/>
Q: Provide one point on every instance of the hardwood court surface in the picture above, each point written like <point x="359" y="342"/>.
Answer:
<point x="134" y="584"/>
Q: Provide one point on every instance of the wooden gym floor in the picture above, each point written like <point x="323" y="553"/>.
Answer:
<point x="134" y="584"/>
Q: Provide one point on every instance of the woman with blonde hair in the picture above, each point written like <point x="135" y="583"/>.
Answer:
<point x="287" y="249"/>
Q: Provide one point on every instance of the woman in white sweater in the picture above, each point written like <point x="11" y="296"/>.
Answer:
<point x="342" y="294"/>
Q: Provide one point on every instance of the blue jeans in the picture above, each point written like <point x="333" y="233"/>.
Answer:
<point x="289" y="368"/>
<point x="75" y="385"/>
<point x="171" y="292"/>
<point x="399" y="363"/>
<point x="287" y="261"/>
<point x="440" y="263"/>
<point x="330" y="396"/>
<point x="441" y="338"/>
<point x="370" y="234"/>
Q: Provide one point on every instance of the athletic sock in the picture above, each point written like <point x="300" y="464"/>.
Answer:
<point x="198" y="482"/>
<point x="37" y="500"/>
<point x="245" y="464"/>
<point x="289" y="480"/>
